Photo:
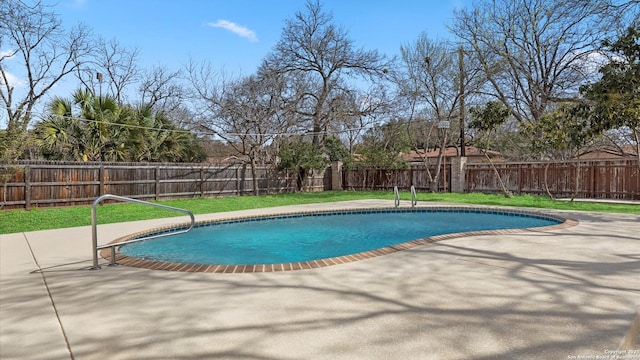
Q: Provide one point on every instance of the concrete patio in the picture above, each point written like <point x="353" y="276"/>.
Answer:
<point x="534" y="295"/>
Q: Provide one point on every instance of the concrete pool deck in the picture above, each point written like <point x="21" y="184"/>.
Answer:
<point x="551" y="294"/>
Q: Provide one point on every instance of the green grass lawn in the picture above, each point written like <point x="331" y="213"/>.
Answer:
<point x="13" y="221"/>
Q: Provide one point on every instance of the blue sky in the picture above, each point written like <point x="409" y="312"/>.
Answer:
<point x="235" y="35"/>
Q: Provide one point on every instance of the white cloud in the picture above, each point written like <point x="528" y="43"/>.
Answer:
<point x="13" y="80"/>
<point x="78" y="4"/>
<point x="6" y="54"/>
<point x="236" y="29"/>
<point x="457" y="4"/>
<point x="592" y="63"/>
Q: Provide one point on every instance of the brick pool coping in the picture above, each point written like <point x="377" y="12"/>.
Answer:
<point x="125" y="260"/>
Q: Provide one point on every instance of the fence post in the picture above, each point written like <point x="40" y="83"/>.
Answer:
<point x="458" y="168"/>
<point x="520" y="180"/>
<point x="201" y="180"/>
<point x="366" y="180"/>
<point x="101" y="175"/>
<point x="336" y="175"/>
<point x="157" y="181"/>
<point x="27" y="187"/>
<point x="593" y="181"/>
<point x="237" y="180"/>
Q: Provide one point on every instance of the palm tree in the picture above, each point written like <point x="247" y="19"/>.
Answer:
<point x="98" y="113"/>
<point x="61" y="133"/>
<point x="103" y="131"/>
<point x="158" y="139"/>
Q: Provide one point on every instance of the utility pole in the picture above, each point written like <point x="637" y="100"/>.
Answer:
<point x="99" y="77"/>
<point x="462" y="110"/>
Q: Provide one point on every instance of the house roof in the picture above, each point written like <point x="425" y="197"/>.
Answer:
<point x="226" y="159"/>
<point x="609" y="153"/>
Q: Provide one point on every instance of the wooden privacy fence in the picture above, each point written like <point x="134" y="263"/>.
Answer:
<point x="39" y="184"/>
<point x="385" y="179"/>
<point x="606" y="179"/>
<point x="609" y="179"/>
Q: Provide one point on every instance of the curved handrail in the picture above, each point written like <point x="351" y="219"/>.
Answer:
<point x="414" y="197"/>
<point x="94" y="226"/>
<point x="396" y="195"/>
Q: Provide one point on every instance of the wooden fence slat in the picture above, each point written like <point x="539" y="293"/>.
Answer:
<point x="101" y="175"/>
<point x="157" y="182"/>
<point x="27" y="187"/>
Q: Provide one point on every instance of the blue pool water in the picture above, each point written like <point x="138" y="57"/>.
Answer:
<point x="310" y="237"/>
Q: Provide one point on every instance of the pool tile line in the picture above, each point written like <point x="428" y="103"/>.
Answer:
<point x="251" y="218"/>
<point x="122" y="259"/>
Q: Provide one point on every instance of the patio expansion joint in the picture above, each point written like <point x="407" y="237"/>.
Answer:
<point x="53" y="303"/>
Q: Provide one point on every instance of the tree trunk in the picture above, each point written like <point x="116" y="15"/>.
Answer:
<point x="433" y="182"/>
<point x="577" y="182"/>
<point x="301" y="179"/>
<point x="4" y="193"/>
<point x="505" y="191"/>
<point x="546" y="186"/>
<point x="254" y="177"/>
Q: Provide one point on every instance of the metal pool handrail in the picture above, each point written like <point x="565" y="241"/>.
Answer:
<point x="414" y="197"/>
<point x="94" y="226"/>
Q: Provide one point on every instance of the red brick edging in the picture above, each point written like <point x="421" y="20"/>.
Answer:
<point x="122" y="259"/>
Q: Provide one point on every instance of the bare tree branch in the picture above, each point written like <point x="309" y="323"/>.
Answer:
<point x="321" y="55"/>
<point x="43" y="53"/>
<point x="161" y="90"/>
<point x="533" y="52"/>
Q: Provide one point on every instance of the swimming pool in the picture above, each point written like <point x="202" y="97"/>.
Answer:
<point x="304" y="240"/>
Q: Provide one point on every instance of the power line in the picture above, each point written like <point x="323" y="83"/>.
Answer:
<point x="206" y="133"/>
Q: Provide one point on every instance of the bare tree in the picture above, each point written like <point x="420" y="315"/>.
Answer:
<point x="355" y="111"/>
<point x="534" y="53"/>
<point x="113" y="65"/>
<point x="37" y="52"/>
<point x="316" y="50"/>
<point x="161" y="90"/>
<point x="248" y="113"/>
<point x="622" y="14"/>
<point x="433" y="86"/>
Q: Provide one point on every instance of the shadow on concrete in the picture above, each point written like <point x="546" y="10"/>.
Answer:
<point x="403" y="308"/>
